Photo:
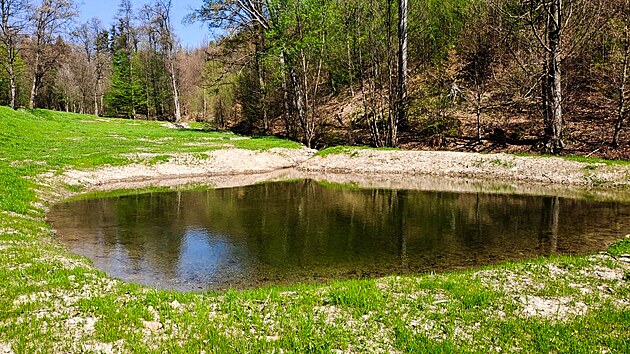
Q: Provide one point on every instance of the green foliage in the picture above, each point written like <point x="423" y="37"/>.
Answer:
<point x="153" y="85"/>
<point x="439" y="125"/>
<point x="348" y="150"/>
<point x="435" y="26"/>
<point x="125" y="94"/>
<point x="22" y="80"/>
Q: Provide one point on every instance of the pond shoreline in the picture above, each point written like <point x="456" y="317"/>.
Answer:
<point x="549" y="291"/>
<point x="367" y="168"/>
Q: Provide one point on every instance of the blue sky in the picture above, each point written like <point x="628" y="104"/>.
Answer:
<point x="190" y="35"/>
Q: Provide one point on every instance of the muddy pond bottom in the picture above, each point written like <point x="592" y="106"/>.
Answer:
<point x="307" y="231"/>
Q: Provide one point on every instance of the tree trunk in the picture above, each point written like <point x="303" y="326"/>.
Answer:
<point x="132" y="90"/>
<point x="621" y="105"/>
<point x="298" y="96"/>
<point x="478" y="112"/>
<point x="402" y="68"/>
<point x="178" y="112"/>
<point x="288" y="122"/>
<point x="350" y="66"/>
<point x="96" y="99"/>
<point x="31" y="102"/>
<point x="263" y="98"/>
<point x="13" y="86"/>
<point x="391" y="114"/>
<point x="36" y="80"/>
<point x="554" y="122"/>
<point x="305" y="121"/>
<point x="260" y="70"/>
<point x="205" y="105"/>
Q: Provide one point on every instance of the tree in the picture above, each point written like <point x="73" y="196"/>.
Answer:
<point x="559" y="28"/>
<point x="552" y="80"/>
<point x="402" y="72"/>
<point x="620" y="36"/>
<point x="125" y="95"/>
<point x="49" y="19"/>
<point x="477" y="49"/>
<point x="303" y="44"/>
<point x="254" y="17"/>
<point x="13" y="23"/>
<point x="92" y="38"/>
<point x="162" y="20"/>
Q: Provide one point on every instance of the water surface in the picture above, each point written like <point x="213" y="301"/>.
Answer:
<point x="286" y="232"/>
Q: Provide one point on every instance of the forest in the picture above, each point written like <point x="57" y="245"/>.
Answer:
<point x="542" y="76"/>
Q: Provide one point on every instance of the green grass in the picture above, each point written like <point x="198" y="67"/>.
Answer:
<point x="126" y="192"/>
<point x="579" y="158"/>
<point x="53" y="301"/>
<point x="348" y="150"/>
<point x="343" y="186"/>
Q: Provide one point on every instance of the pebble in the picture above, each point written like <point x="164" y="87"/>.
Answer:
<point x="152" y="325"/>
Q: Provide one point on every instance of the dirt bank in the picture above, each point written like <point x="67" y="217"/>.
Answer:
<point x="187" y="168"/>
<point x="496" y="167"/>
<point x="439" y="171"/>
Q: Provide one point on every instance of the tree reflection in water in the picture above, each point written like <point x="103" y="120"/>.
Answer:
<point x="301" y="231"/>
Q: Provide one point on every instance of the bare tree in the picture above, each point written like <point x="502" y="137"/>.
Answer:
<point x="559" y="27"/>
<point x="401" y="115"/>
<point x="50" y="19"/>
<point x="621" y="9"/>
<point x="13" y="23"/>
<point x="552" y="81"/>
<point x="162" y="12"/>
<point x="478" y="50"/>
<point x="92" y="38"/>
<point x="254" y="16"/>
<point x="72" y="81"/>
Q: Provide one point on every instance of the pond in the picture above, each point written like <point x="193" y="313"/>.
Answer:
<point x="308" y="231"/>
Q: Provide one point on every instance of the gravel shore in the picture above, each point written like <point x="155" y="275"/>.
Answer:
<point x="427" y="170"/>
<point x="495" y="167"/>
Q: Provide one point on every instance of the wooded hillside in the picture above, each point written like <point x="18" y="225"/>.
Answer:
<point x="485" y="75"/>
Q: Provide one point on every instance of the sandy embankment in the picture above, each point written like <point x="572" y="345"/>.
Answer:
<point x="494" y="167"/>
<point x="424" y="170"/>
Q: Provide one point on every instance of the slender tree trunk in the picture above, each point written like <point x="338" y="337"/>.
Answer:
<point x="35" y="85"/>
<point x="263" y="99"/>
<point x="260" y="68"/>
<point x="402" y="68"/>
<point x="178" y="112"/>
<point x="298" y="97"/>
<point x="391" y="114"/>
<point x="350" y="66"/>
<point x="205" y="105"/>
<point x="132" y="90"/>
<point x="96" y="112"/>
<point x="478" y="112"/>
<point x="288" y="122"/>
<point x="554" y="123"/>
<point x="31" y="102"/>
<point x="12" y="84"/>
<point x="305" y="121"/>
<point x="621" y="104"/>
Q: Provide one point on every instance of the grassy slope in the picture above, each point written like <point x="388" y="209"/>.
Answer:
<point x="52" y="301"/>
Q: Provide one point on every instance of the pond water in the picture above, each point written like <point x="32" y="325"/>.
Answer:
<point x="305" y="231"/>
